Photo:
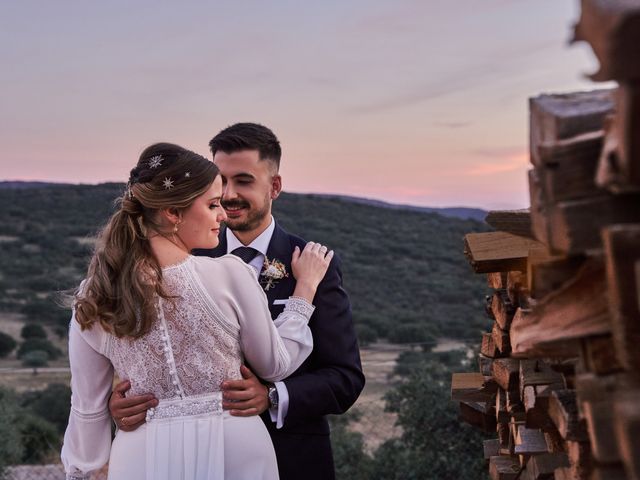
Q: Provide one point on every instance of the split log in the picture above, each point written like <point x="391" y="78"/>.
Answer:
<point x="563" y="116"/>
<point x="471" y="387"/>
<point x="488" y="348"/>
<point x="628" y="131"/>
<point x="537" y="372"/>
<point x="479" y="415"/>
<point x="504" y="467"/>
<point x="638" y="283"/>
<point x="518" y="288"/>
<point x="568" y="167"/>
<point x="506" y="373"/>
<point x="502" y="309"/>
<point x="502" y="414"/>
<point x="497" y="280"/>
<point x="547" y="272"/>
<point x="505" y="438"/>
<point x="622" y="251"/>
<point x="530" y="441"/>
<point x="497" y="251"/>
<point x="609" y="472"/>
<point x="595" y="394"/>
<point x="543" y="466"/>
<point x="619" y="163"/>
<point x="598" y="355"/>
<point x="578" y="309"/>
<point x="491" y="448"/>
<point x="501" y="339"/>
<point x="580" y="459"/>
<point x="516" y="222"/>
<point x="563" y="411"/>
<point x="612" y="29"/>
<point x="484" y="363"/>
<point x="573" y="227"/>
<point x="627" y="426"/>
<point x="536" y="403"/>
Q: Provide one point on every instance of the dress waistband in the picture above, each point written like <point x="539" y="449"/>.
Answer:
<point x="208" y="403"/>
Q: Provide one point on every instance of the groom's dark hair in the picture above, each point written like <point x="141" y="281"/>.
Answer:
<point x="248" y="136"/>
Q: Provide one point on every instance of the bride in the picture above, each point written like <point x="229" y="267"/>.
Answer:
<point x="177" y="326"/>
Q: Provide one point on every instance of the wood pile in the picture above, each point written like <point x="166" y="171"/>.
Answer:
<point x="559" y="372"/>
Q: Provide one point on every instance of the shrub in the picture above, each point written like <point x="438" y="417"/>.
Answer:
<point x="52" y="404"/>
<point x="39" y="344"/>
<point x="35" y="359"/>
<point x="10" y="442"/>
<point x="39" y="438"/>
<point x="7" y="344"/>
<point x="33" y="330"/>
<point x="366" y="334"/>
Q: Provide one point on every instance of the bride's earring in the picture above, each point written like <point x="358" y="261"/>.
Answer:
<point x="175" y="226"/>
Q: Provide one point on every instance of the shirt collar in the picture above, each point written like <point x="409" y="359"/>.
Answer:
<point x="260" y="243"/>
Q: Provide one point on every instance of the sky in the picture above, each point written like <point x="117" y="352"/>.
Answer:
<point x="423" y="102"/>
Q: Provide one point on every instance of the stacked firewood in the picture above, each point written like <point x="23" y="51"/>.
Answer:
<point x="559" y="373"/>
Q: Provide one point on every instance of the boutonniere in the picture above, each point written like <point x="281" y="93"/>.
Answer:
<point x="272" y="271"/>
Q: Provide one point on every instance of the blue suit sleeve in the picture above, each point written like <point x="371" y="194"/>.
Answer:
<point x="331" y="379"/>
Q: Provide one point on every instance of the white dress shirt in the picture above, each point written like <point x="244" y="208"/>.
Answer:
<point x="261" y="244"/>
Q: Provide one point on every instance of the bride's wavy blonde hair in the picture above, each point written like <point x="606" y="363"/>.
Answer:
<point x="124" y="277"/>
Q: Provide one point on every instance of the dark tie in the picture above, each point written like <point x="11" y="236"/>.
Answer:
<point x="245" y="253"/>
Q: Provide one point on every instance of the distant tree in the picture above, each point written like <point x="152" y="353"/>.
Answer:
<point x="366" y="334"/>
<point x="33" y="330"/>
<point x="39" y="344"/>
<point x="35" y="359"/>
<point x="7" y="344"/>
<point x="412" y="333"/>
<point x="434" y="444"/>
<point x="52" y="404"/>
<point x="351" y="461"/>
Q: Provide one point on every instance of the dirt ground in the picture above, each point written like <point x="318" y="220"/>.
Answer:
<point x="376" y="425"/>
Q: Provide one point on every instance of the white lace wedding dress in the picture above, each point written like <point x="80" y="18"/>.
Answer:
<point x="219" y="318"/>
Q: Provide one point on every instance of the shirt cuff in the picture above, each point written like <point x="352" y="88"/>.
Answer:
<point x="280" y="412"/>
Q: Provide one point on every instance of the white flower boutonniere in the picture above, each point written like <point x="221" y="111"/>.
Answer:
<point x="272" y="271"/>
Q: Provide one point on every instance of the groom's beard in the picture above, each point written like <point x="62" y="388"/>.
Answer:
<point x="253" y="218"/>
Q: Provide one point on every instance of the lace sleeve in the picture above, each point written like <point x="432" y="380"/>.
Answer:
<point x="273" y="349"/>
<point x="87" y="440"/>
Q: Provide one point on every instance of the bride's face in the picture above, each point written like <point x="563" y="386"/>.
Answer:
<point x="200" y="224"/>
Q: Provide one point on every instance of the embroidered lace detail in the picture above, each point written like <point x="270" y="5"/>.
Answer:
<point x="78" y="476"/>
<point x="191" y="348"/>
<point x="204" y="404"/>
<point x="301" y="306"/>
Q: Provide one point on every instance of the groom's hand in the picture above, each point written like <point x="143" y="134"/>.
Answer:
<point x="246" y="397"/>
<point x="129" y="412"/>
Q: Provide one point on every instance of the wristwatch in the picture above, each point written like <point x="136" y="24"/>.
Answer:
<point x="272" y="395"/>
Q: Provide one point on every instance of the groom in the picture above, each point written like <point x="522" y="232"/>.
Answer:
<point x="330" y="380"/>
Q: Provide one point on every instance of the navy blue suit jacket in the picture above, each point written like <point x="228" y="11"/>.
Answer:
<point x="328" y="382"/>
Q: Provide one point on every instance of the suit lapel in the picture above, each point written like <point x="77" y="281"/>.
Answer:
<point x="281" y="250"/>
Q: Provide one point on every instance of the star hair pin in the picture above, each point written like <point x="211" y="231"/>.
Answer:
<point x="155" y="161"/>
<point x="167" y="183"/>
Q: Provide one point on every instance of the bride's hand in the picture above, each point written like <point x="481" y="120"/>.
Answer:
<point x="309" y="268"/>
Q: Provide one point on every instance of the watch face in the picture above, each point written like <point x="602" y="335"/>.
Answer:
<point x="273" y="396"/>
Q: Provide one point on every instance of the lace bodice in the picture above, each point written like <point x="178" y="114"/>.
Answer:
<point x="191" y="349"/>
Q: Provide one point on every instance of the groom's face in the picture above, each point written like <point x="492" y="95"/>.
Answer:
<point x="249" y="186"/>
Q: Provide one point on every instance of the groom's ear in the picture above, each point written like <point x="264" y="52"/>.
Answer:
<point x="276" y="186"/>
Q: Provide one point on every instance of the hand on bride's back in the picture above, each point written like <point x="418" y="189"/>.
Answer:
<point x="310" y="265"/>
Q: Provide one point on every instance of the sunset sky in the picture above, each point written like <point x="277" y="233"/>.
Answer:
<point x="409" y="101"/>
